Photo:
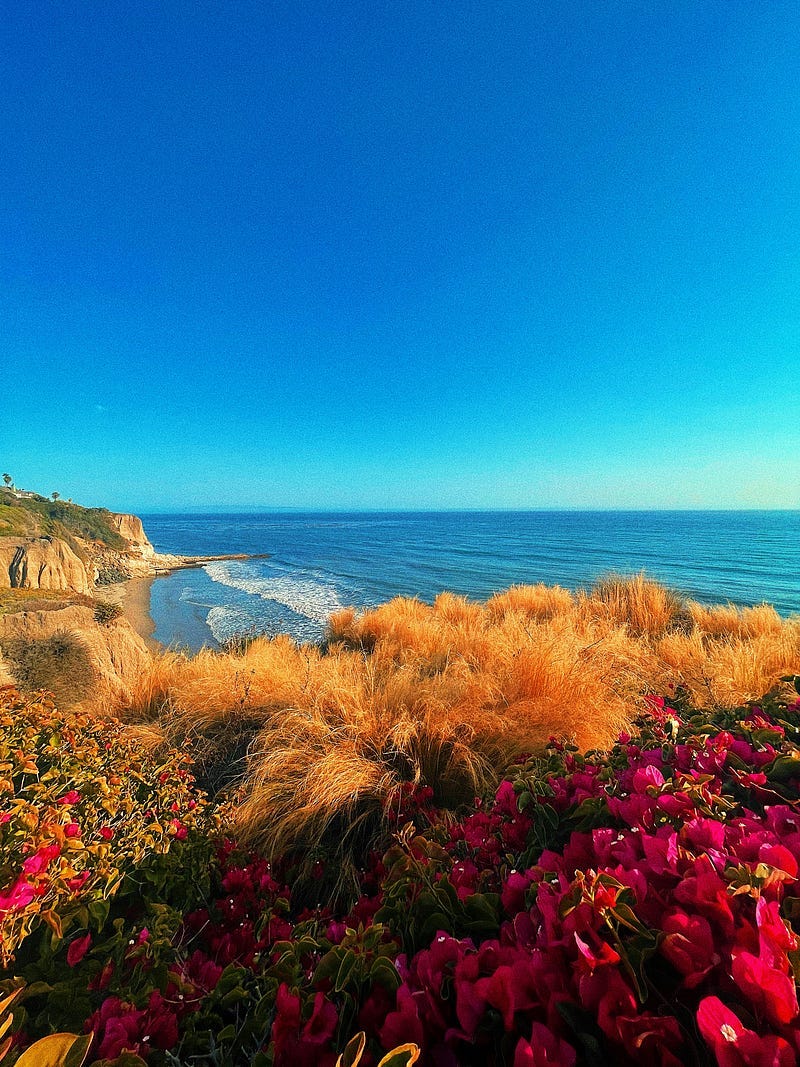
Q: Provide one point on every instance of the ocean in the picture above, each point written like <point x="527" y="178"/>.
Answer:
<point x="319" y="563"/>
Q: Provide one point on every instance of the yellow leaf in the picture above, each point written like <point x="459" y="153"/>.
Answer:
<point x="351" y="1057"/>
<point x="53" y="920"/>
<point x="9" y="999"/>
<point x="57" y="1050"/>
<point x="402" y="1056"/>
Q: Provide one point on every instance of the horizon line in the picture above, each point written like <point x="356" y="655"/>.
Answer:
<point x="250" y="509"/>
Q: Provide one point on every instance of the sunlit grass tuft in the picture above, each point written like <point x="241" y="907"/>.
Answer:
<point x="320" y="739"/>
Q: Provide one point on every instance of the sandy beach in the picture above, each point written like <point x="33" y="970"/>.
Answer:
<point x="133" y="597"/>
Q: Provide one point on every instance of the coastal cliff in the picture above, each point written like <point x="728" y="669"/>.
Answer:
<point x="42" y="563"/>
<point x="64" y="647"/>
<point x="68" y="577"/>
<point x="62" y="568"/>
<point x="131" y="529"/>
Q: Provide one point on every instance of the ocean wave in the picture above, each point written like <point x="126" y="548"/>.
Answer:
<point x="304" y="596"/>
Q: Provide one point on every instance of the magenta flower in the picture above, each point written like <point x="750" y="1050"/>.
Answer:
<point x="18" y="896"/>
<point x="689" y="946"/>
<point x="78" y="949"/>
<point x="734" y="1045"/>
<point x="544" y="1049"/>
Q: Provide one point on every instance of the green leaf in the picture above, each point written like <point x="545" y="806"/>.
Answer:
<point x="98" y="913"/>
<point x="385" y="972"/>
<point x="783" y="768"/>
<point x="346" y="967"/>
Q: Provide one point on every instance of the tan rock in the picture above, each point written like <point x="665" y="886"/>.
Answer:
<point x="116" y="654"/>
<point x="130" y="527"/>
<point x="41" y="563"/>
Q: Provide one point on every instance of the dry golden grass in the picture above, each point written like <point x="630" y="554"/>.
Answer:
<point x="445" y="694"/>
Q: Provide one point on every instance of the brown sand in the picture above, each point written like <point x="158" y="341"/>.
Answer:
<point x="133" y="597"/>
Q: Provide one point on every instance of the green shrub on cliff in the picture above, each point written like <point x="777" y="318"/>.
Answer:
<point x="35" y="516"/>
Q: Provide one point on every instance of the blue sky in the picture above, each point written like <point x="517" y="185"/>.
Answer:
<point x="402" y="255"/>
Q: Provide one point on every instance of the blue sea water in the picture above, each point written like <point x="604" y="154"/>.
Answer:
<point x="320" y="562"/>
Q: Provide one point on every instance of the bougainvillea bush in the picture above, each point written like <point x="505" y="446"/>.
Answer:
<point x="639" y="905"/>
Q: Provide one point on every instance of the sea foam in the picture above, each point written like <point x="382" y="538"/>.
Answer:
<point x="301" y="593"/>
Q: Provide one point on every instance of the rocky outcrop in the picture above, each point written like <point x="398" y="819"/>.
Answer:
<point x="130" y="527"/>
<point x="41" y="563"/>
<point x="114" y="654"/>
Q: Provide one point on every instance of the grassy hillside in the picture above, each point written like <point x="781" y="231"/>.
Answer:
<point x="322" y="741"/>
<point x="36" y="516"/>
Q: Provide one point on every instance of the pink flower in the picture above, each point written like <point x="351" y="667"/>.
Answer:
<point x="72" y="797"/>
<point x="544" y="1049"/>
<point x="78" y="949"/>
<point x="689" y="946"/>
<point x="106" y="833"/>
<point x="72" y="829"/>
<point x="18" y="896"/>
<point x="734" y="1045"/>
<point x="40" y="860"/>
<point x="116" y="1028"/>
<point x="771" y="992"/>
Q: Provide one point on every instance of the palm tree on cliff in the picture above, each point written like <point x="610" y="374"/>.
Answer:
<point x="55" y="496"/>
<point x="8" y="480"/>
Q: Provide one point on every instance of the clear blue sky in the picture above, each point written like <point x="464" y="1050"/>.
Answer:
<point x="422" y="254"/>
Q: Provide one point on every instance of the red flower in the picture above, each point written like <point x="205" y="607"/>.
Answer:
<point x="403" y="1024"/>
<point x="689" y="946"/>
<point x="72" y="829"/>
<point x="78" y="882"/>
<point x="72" y="797"/>
<point x="772" y="993"/>
<point x="302" y="1048"/>
<point x="320" y="1028"/>
<point x="106" y="833"/>
<point x="78" y="949"/>
<point x="544" y="1049"/>
<point x="734" y="1045"/>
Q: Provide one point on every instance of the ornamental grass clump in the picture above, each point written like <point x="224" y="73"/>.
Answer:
<point x="318" y="740"/>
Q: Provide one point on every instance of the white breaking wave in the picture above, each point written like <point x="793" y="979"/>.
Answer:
<point x="225" y="623"/>
<point x="304" y="596"/>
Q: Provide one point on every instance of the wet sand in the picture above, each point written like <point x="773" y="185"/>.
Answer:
<point x="133" y="597"/>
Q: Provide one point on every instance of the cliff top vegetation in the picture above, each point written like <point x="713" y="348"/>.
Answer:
<point x="30" y="515"/>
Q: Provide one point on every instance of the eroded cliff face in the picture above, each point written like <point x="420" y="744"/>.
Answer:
<point x="58" y="644"/>
<point x="130" y="527"/>
<point x="51" y="563"/>
<point x="66" y="650"/>
<point x="42" y="563"/>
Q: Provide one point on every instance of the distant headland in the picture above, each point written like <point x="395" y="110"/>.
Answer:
<point x="68" y="570"/>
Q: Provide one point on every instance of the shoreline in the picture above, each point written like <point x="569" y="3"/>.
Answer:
<point x="133" y="597"/>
